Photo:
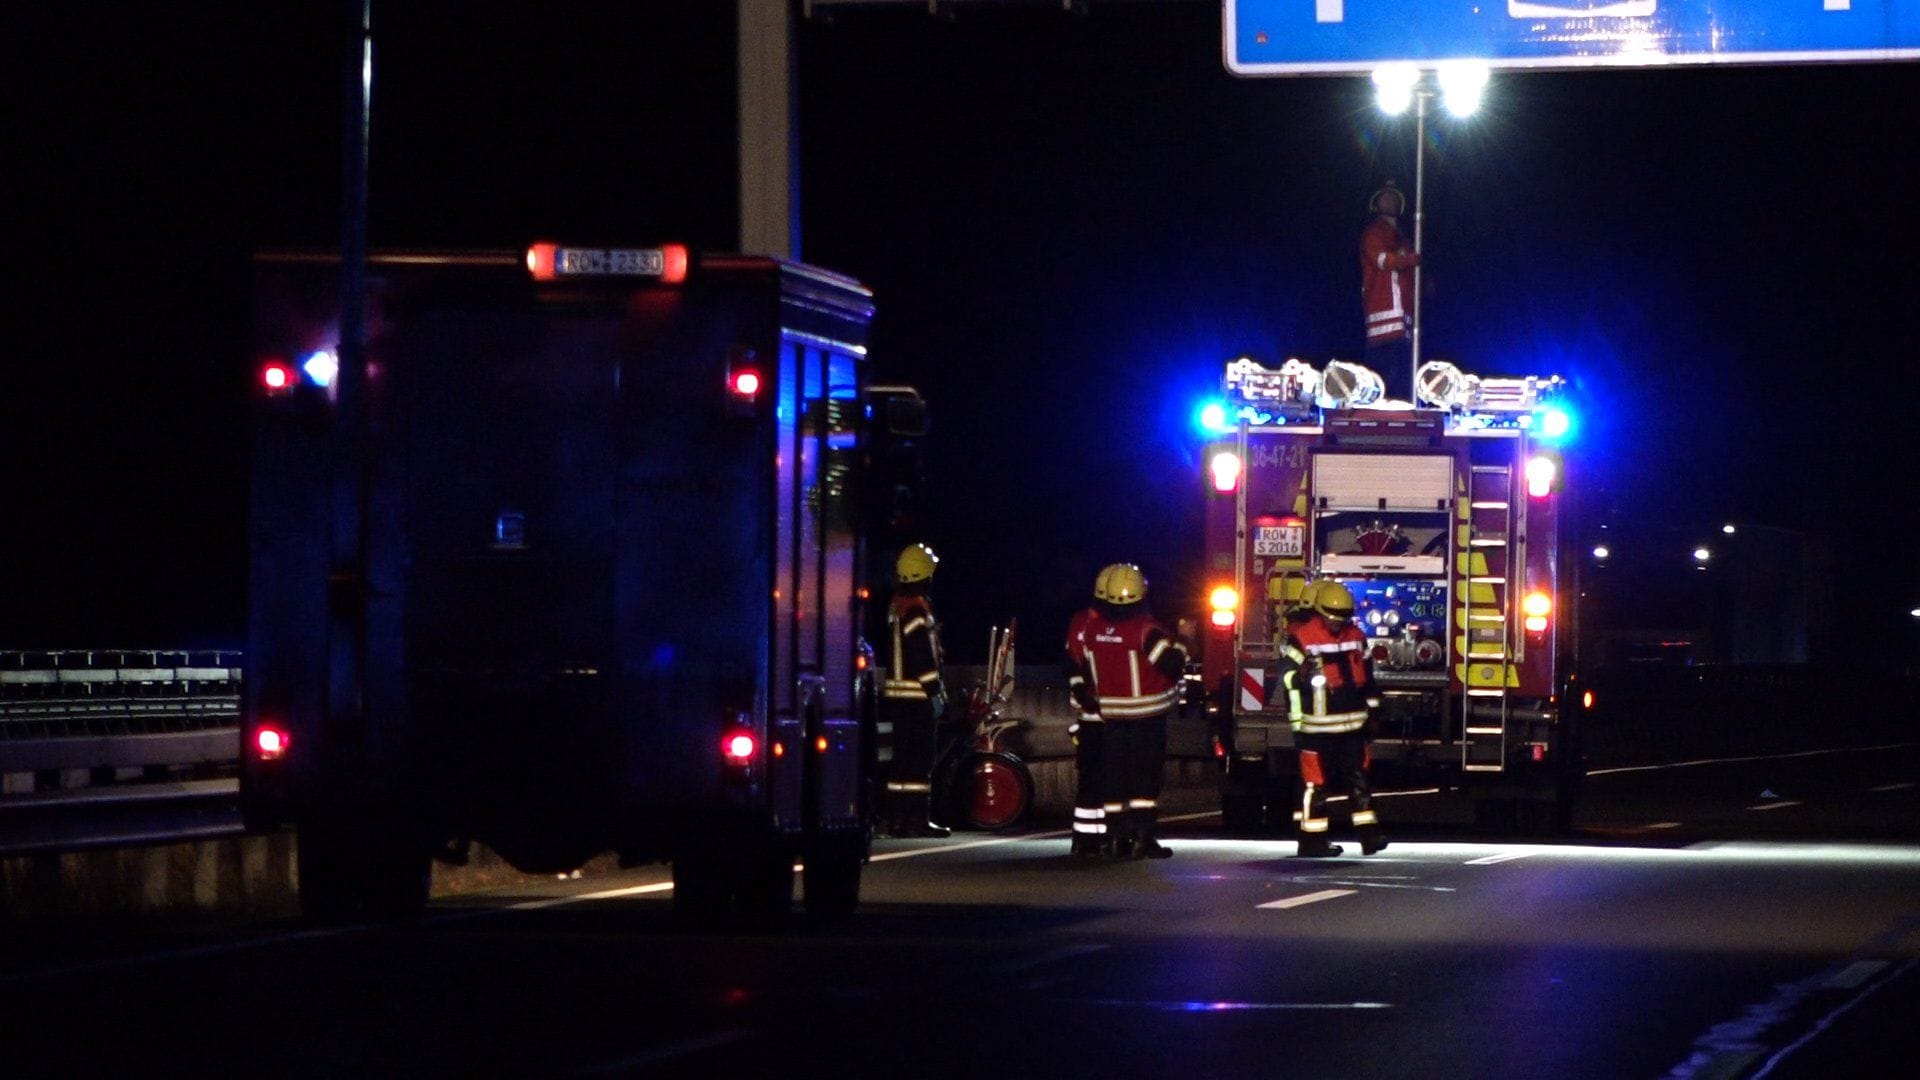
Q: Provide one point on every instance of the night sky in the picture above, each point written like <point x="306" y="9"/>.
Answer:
<point x="1070" y="222"/>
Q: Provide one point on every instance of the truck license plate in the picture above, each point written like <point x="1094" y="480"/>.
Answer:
<point x="1281" y="541"/>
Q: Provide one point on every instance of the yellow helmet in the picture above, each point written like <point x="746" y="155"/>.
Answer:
<point x="915" y="563"/>
<point x="1333" y="600"/>
<point x="1304" y="600"/>
<point x="1120" y="583"/>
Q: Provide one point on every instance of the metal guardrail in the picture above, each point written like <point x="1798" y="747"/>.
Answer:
<point x="106" y="711"/>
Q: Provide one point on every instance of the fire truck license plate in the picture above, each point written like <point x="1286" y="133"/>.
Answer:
<point x="637" y="261"/>
<point x="1283" y="541"/>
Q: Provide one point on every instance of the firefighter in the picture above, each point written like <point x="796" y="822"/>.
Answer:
<point x="1330" y="695"/>
<point x="914" y="698"/>
<point x="1386" y="292"/>
<point x="1124" y="671"/>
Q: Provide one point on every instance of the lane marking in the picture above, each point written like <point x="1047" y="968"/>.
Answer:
<point x="666" y="1053"/>
<point x="604" y="894"/>
<point x="1229" y="1006"/>
<point x="1066" y="953"/>
<point x="1851" y="976"/>
<point x="1309" y="898"/>
<point x="1782" y="804"/>
<point x="1757" y="757"/>
<point x="1505" y="856"/>
<point x="1827" y="1021"/>
<point x="1387" y="885"/>
<point x="1883" y="788"/>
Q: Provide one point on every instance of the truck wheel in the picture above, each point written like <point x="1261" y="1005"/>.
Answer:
<point x="349" y="870"/>
<point x="1496" y="815"/>
<point x="763" y="889"/>
<point x="325" y="873"/>
<point x="1241" y="812"/>
<point x="702" y="892"/>
<point x="831" y="886"/>
<point x="997" y="789"/>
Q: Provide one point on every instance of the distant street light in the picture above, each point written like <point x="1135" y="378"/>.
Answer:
<point x="1701" y="555"/>
<point x="1461" y="87"/>
<point x="1601" y="551"/>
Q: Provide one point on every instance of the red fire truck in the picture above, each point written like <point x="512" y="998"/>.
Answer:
<point x="1446" y="521"/>
<point x="577" y="566"/>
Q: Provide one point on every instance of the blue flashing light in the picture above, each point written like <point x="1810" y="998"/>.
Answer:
<point x="1213" y="417"/>
<point x="1556" y="423"/>
<point x="321" y="367"/>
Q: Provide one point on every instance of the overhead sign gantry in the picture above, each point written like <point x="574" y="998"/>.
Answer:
<point x="1310" y="37"/>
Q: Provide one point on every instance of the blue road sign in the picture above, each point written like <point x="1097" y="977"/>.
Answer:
<point x="1306" y="37"/>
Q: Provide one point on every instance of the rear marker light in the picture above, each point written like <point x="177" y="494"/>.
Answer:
<point x="1225" y="602"/>
<point x="1536" y="607"/>
<point x="276" y="377"/>
<point x="820" y="744"/>
<point x="745" y="383"/>
<point x="270" y="744"/>
<point x="1541" y="474"/>
<point x="1226" y="472"/>
<point x="1586" y="701"/>
<point x="739" y="748"/>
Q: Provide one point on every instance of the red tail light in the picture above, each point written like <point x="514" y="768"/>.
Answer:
<point x="277" y="377"/>
<point x="270" y="742"/>
<point x="739" y="747"/>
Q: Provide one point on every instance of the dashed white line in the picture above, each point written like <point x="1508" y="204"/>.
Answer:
<point x="1505" y="856"/>
<point x="667" y="1053"/>
<point x="1781" y="805"/>
<point x="1884" y="788"/>
<point x="1309" y="898"/>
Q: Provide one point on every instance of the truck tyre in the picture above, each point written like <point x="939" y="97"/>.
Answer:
<point x="763" y="889"/>
<point x="1242" y="811"/>
<point x="831" y="885"/>
<point x="361" y="870"/>
<point x="702" y="893"/>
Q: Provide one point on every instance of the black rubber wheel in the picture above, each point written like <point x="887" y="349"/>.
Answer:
<point x="763" y="889"/>
<point x="702" y="891"/>
<point x="830" y="887"/>
<point x="378" y="872"/>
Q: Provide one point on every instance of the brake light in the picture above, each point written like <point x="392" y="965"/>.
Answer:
<point x="744" y="383"/>
<point x="739" y="747"/>
<point x="1535" y="608"/>
<point x="1541" y="474"/>
<point x="1225" y="468"/>
<point x="1225" y="602"/>
<point x="270" y="742"/>
<point x="276" y="377"/>
<point x="542" y="261"/>
<point x="673" y="263"/>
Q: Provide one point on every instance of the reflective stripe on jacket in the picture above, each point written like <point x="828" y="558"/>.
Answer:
<point x="1127" y="662"/>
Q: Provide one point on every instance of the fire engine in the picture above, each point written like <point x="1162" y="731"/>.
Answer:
<point x="577" y="566"/>
<point x="1445" y="519"/>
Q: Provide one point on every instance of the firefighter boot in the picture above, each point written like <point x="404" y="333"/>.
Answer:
<point x="1318" y="848"/>
<point x="1125" y="835"/>
<point x="1371" y="841"/>
<point x="1151" y="848"/>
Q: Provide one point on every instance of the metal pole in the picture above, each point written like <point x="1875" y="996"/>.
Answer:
<point x="1420" y="97"/>
<point x="347" y="629"/>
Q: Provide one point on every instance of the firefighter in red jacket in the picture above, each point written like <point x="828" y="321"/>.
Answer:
<point x="913" y="699"/>
<point x="1386" y="292"/>
<point x="1123" y="671"/>
<point x="1330" y="694"/>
